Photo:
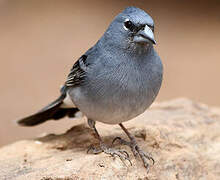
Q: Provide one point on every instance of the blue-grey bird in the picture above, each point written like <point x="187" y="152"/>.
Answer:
<point x="114" y="81"/>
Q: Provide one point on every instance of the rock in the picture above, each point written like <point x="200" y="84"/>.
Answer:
<point x="181" y="135"/>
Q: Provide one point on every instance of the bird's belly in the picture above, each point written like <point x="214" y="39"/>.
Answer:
<point x="112" y="104"/>
<point x="115" y="95"/>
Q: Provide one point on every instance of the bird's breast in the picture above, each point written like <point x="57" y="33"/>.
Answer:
<point x="117" y="94"/>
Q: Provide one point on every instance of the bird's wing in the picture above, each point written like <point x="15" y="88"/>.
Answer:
<point x="77" y="73"/>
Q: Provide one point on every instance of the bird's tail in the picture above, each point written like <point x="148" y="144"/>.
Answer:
<point x="52" y="111"/>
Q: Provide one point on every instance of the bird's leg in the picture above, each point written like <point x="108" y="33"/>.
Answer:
<point x="134" y="147"/>
<point x="123" y="155"/>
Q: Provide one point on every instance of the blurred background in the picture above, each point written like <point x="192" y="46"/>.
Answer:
<point x="41" y="39"/>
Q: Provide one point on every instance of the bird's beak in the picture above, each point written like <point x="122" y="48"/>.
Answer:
<point x="144" y="36"/>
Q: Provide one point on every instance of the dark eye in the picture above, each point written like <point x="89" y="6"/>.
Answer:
<point x="128" y="25"/>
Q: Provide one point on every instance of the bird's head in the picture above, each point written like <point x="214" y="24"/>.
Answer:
<point x="131" y="28"/>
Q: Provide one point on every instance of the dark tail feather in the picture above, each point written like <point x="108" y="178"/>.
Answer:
<point x="52" y="111"/>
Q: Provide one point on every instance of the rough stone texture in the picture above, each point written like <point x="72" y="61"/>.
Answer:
<point x="182" y="136"/>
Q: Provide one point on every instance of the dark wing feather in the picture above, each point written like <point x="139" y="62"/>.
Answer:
<point x="77" y="74"/>
<point x="54" y="109"/>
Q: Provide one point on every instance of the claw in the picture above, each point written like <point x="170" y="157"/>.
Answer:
<point x="123" y="155"/>
<point x="153" y="161"/>
<point x="121" y="141"/>
<point x="146" y="165"/>
<point x="136" y="151"/>
<point x="125" y="152"/>
<point x="149" y="158"/>
<point x="115" y="139"/>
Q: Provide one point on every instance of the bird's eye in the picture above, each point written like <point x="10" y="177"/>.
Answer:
<point x="128" y="25"/>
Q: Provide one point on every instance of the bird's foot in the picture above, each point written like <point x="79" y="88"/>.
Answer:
<point x="123" y="155"/>
<point x="136" y="150"/>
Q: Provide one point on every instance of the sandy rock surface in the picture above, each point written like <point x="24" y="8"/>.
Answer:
<point x="181" y="135"/>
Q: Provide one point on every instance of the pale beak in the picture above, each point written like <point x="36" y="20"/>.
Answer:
<point x="145" y="35"/>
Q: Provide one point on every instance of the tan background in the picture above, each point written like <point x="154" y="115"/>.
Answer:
<point x="41" y="39"/>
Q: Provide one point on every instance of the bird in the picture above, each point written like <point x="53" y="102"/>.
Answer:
<point x="114" y="81"/>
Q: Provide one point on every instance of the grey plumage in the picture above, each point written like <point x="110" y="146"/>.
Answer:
<point x="121" y="77"/>
<point x="115" y="80"/>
